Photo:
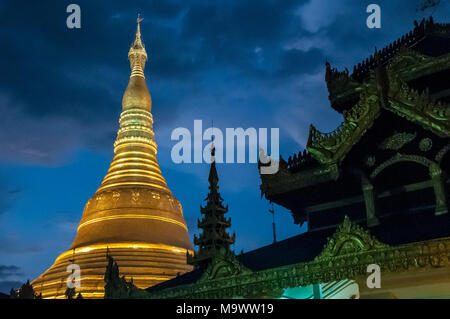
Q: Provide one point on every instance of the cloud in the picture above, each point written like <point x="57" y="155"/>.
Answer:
<point x="6" y="275"/>
<point x="61" y="89"/>
<point x="12" y="244"/>
<point x="9" y="194"/>
<point x="307" y="42"/>
<point x="6" y="271"/>
<point x="316" y="15"/>
<point x="28" y="138"/>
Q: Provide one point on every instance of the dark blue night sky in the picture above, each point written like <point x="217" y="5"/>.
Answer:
<point x="238" y="63"/>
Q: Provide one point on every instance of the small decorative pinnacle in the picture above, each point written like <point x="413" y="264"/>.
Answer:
<point x="137" y="54"/>
<point x="214" y="235"/>
<point x="138" y="31"/>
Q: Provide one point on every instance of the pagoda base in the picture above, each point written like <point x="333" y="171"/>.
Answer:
<point x="146" y="264"/>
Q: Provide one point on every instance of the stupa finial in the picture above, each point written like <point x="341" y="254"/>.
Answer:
<point x="137" y="54"/>
<point x="138" y="31"/>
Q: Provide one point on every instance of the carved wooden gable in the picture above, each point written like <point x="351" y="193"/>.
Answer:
<point x="349" y="238"/>
<point x="224" y="264"/>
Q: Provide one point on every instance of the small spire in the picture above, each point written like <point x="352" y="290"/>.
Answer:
<point x="213" y="147"/>
<point x="214" y="235"/>
<point x="137" y="54"/>
<point x="138" y="41"/>
<point x="138" y="31"/>
<point x="213" y="176"/>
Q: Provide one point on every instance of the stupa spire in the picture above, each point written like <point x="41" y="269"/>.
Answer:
<point x="133" y="216"/>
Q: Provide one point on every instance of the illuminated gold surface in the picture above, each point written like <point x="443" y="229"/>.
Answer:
<point x="132" y="216"/>
<point x="147" y="264"/>
<point x="133" y="212"/>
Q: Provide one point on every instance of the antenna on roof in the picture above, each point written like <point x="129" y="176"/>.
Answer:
<point x="213" y="147"/>
<point x="272" y="211"/>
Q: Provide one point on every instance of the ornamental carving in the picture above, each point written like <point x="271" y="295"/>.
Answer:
<point x="156" y="195"/>
<point x="432" y="253"/>
<point x="224" y="264"/>
<point x="284" y="180"/>
<point x="435" y="170"/>
<point x="349" y="238"/>
<point x="135" y="196"/>
<point x="400" y="158"/>
<point x="401" y="99"/>
<point x="99" y="200"/>
<point x="332" y="147"/>
<point x="410" y="63"/>
<point x="440" y="155"/>
<point x="397" y="141"/>
<point x="115" y="197"/>
<point x="170" y="199"/>
<point x="418" y="107"/>
<point x="370" y="161"/>
<point x="425" y="144"/>
<point x="337" y="82"/>
<point x="407" y="59"/>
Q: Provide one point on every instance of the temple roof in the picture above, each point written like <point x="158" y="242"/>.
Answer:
<point x="402" y="83"/>
<point x="421" y="38"/>
<point x="427" y="38"/>
<point x="185" y="279"/>
<point x="306" y="246"/>
<point x="309" y="245"/>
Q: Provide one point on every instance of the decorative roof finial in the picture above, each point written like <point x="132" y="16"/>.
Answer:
<point x="137" y="54"/>
<point x="213" y="147"/>
<point x="138" y="32"/>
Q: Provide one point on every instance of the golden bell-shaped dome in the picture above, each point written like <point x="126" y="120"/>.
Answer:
<point x="137" y="95"/>
<point x="133" y="215"/>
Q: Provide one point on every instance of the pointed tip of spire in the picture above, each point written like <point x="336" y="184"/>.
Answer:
<point x="213" y="177"/>
<point x="213" y="150"/>
<point x="137" y="54"/>
<point x="138" y="31"/>
<point x="138" y="41"/>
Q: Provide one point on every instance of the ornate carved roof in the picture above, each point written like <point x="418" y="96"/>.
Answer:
<point x="386" y="90"/>
<point x="343" y="87"/>
<point x="346" y="255"/>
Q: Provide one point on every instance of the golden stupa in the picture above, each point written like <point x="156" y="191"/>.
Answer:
<point x="133" y="216"/>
